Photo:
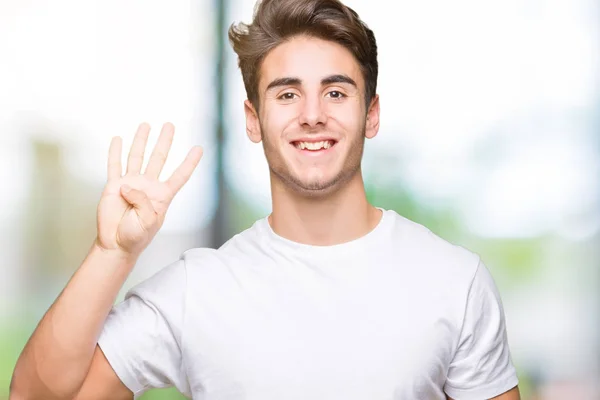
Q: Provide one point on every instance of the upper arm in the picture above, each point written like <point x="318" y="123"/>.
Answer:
<point x="142" y="336"/>
<point x="481" y="366"/>
<point x="102" y="383"/>
<point x="512" y="394"/>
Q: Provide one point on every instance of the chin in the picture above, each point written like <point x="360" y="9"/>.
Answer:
<point x="311" y="183"/>
<point x="315" y="188"/>
<point x="317" y="192"/>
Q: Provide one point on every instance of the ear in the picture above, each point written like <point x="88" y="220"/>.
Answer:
<point x="372" y="123"/>
<point x="252" y="123"/>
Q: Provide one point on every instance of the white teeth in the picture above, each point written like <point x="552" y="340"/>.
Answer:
<point x="325" y="144"/>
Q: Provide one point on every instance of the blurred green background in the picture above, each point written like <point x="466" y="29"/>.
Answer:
<point x="489" y="137"/>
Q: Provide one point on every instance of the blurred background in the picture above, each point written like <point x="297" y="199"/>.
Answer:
<point x="490" y="137"/>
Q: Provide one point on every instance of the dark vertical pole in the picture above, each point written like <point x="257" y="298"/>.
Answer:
<point x="220" y="222"/>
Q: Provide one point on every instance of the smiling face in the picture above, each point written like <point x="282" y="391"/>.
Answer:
<point x="312" y="118"/>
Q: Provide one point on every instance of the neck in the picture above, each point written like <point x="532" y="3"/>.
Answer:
<point x="336" y="218"/>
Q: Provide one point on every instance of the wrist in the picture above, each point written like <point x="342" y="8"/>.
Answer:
<point x="114" y="254"/>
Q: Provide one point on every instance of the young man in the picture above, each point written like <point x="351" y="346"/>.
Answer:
<point x="328" y="297"/>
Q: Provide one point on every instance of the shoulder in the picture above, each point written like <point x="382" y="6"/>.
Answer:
<point x="244" y="242"/>
<point x="430" y="253"/>
<point x="421" y="241"/>
<point x="169" y="279"/>
<point x="239" y="251"/>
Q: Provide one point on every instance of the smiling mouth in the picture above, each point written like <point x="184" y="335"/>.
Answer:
<point x="314" y="146"/>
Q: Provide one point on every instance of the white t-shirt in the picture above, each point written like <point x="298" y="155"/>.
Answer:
<point x="396" y="314"/>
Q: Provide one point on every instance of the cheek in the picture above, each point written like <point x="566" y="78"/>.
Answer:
<point x="286" y="117"/>
<point x="279" y="114"/>
<point x="349" y="113"/>
<point x="350" y="121"/>
<point x="275" y="122"/>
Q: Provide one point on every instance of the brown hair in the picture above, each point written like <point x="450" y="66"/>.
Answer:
<point x="276" y="21"/>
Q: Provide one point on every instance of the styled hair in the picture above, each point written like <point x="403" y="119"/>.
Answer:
<point x="276" y="21"/>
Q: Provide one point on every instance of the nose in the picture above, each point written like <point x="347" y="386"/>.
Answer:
<point x="312" y="112"/>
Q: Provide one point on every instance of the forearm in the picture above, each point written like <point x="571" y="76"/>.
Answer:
<point x="56" y="359"/>
<point x="132" y="208"/>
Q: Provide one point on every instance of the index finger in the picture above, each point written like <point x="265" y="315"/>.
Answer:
<point x="184" y="171"/>
<point x="115" y="170"/>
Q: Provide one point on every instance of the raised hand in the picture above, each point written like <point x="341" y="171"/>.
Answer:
<point x="133" y="206"/>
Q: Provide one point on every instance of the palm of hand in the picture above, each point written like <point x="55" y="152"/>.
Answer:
<point x="128" y="221"/>
<point x="115" y="214"/>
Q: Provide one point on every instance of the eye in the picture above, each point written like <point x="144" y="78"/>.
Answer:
<point x="287" y="96"/>
<point x="334" y="94"/>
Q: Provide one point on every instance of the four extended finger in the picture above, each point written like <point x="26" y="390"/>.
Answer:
<point x="161" y="151"/>
<point x="138" y="147"/>
<point x="181" y="175"/>
<point x="114" y="168"/>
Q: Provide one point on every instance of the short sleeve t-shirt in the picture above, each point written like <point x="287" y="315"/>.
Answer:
<point x="396" y="314"/>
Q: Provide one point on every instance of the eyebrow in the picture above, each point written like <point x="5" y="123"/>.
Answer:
<point x="292" y="81"/>
<point x="284" y="82"/>
<point x="338" y="79"/>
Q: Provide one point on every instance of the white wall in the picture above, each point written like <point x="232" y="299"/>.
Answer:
<point x="77" y="73"/>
